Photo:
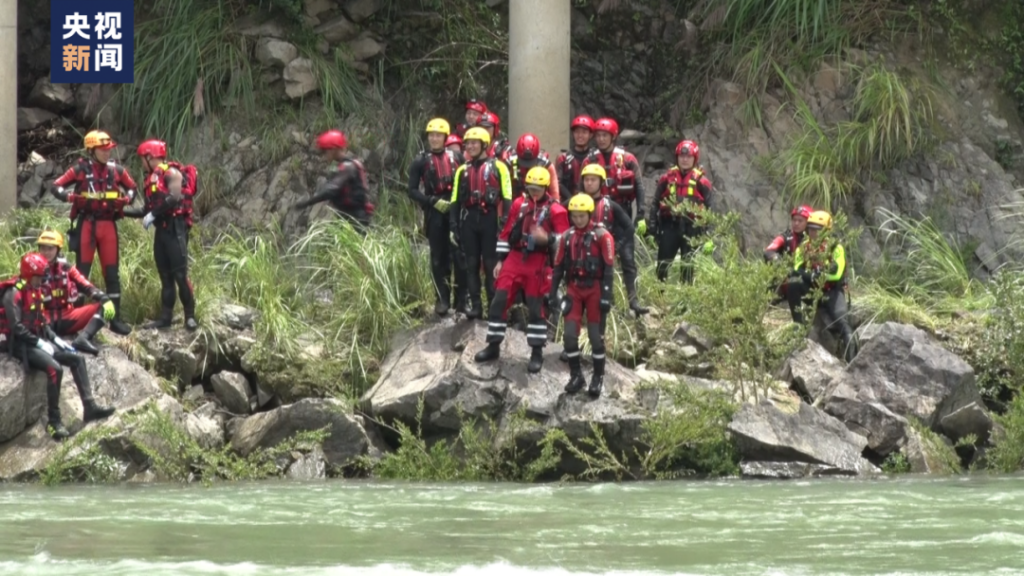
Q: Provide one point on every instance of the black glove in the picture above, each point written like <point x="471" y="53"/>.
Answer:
<point x="552" y="304"/>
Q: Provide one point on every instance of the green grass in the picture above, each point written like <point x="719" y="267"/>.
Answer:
<point x="331" y="291"/>
<point x="826" y="165"/>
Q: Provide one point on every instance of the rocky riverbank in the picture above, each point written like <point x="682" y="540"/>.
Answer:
<point x="904" y="399"/>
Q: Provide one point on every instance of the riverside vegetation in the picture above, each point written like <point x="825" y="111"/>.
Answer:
<point x="351" y="294"/>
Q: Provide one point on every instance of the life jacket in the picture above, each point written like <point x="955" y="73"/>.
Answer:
<point x="682" y="187"/>
<point x="528" y="219"/>
<point x="189" y="187"/>
<point x="355" y="194"/>
<point x="583" y="250"/>
<point x="97" y="198"/>
<point x="821" y="258"/>
<point x="499" y="150"/>
<point x="621" y="183"/>
<point x="440" y="173"/>
<point x="484" y="183"/>
<point x="518" y="170"/>
<point x="790" y="242"/>
<point x="32" y="315"/>
<point x="569" y="163"/>
<point x="603" y="213"/>
<point x="59" y="292"/>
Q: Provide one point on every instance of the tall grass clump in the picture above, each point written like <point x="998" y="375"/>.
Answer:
<point x="188" y="60"/>
<point x="824" y="166"/>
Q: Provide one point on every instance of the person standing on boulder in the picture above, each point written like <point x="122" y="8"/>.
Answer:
<point x="682" y="193"/>
<point x="585" y="258"/>
<point x="527" y="155"/>
<point x="434" y="170"/>
<point x="570" y="162"/>
<point x="614" y="218"/>
<point x="474" y="109"/>
<point x="820" y="262"/>
<point x="165" y="182"/>
<point x="532" y="229"/>
<point x="30" y="339"/>
<point x="102" y="188"/>
<point x="61" y="287"/>
<point x="481" y="193"/>
<point x="346" y="189"/>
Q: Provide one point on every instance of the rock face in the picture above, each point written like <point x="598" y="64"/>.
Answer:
<point x="55" y="98"/>
<point x="298" y="78"/>
<point x="764" y="433"/>
<point x="29" y="118"/>
<point x="348" y="436"/>
<point x="901" y="373"/>
<point x="232" y="390"/>
<point x="811" y="369"/>
<point x="437" y="364"/>
<point x="25" y="446"/>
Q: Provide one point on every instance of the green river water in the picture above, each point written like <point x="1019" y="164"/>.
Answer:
<point x="907" y="526"/>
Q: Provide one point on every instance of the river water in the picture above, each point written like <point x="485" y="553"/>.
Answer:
<point x="735" y="528"/>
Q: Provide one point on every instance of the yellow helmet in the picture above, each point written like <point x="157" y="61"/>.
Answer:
<point x="98" y="139"/>
<point x="594" y="170"/>
<point x="819" y="219"/>
<point x="581" y="203"/>
<point x="51" y="238"/>
<point x="439" y="125"/>
<point x="538" y="176"/>
<point x="477" y="133"/>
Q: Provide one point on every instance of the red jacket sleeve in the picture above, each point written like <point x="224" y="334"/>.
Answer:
<point x="560" y="249"/>
<point x="776" y="244"/>
<point x="67" y="178"/>
<point x="553" y="189"/>
<point x="607" y="247"/>
<point x="559" y="219"/>
<point x="125" y="179"/>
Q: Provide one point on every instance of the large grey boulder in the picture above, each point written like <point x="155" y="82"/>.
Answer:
<point x="436" y="364"/>
<point x="811" y="369"/>
<point x="348" y="436"/>
<point x="764" y="433"/>
<point x="274" y="52"/>
<point x="232" y="389"/>
<point x="55" y="98"/>
<point x="902" y="373"/>
<point x="299" y="79"/>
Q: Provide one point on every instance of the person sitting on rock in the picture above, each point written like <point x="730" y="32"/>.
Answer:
<point x="346" y="189"/>
<point x="785" y="244"/>
<point x="820" y="261"/>
<point x="570" y="162"/>
<point x="585" y="258"/>
<point x="682" y="192"/>
<point x="61" y="287"/>
<point x="532" y="229"/>
<point x="30" y="338"/>
<point x="474" y="109"/>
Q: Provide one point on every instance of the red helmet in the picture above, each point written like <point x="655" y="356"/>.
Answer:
<point x="33" y="264"/>
<point x="154" y="148"/>
<point x="331" y="139"/>
<point x="803" y="210"/>
<point x="528" y="147"/>
<point x="452" y="139"/>
<point x="688" y="148"/>
<point x="474" y="104"/>
<point x="583" y="121"/>
<point x="607" y="125"/>
<point x="490" y="119"/>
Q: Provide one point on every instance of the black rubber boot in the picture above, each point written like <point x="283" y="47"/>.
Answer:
<point x="83" y="342"/>
<point x="54" y="427"/>
<point x="536" y="360"/>
<point x="597" y="380"/>
<point x="441" y="308"/>
<point x="164" y="321"/>
<point x="191" y="325"/>
<point x="91" y="410"/>
<point x="118" y="326"/>
<point x="475" y="310"/>
<point x="491" y="352"/>
<point x="635" y="306"/>
<point x="576" y="379"/>
<point x="564" y="356"/>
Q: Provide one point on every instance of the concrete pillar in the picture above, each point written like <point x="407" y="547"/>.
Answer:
<point x="8" y="105"/>
<point x="538" y="71"/>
